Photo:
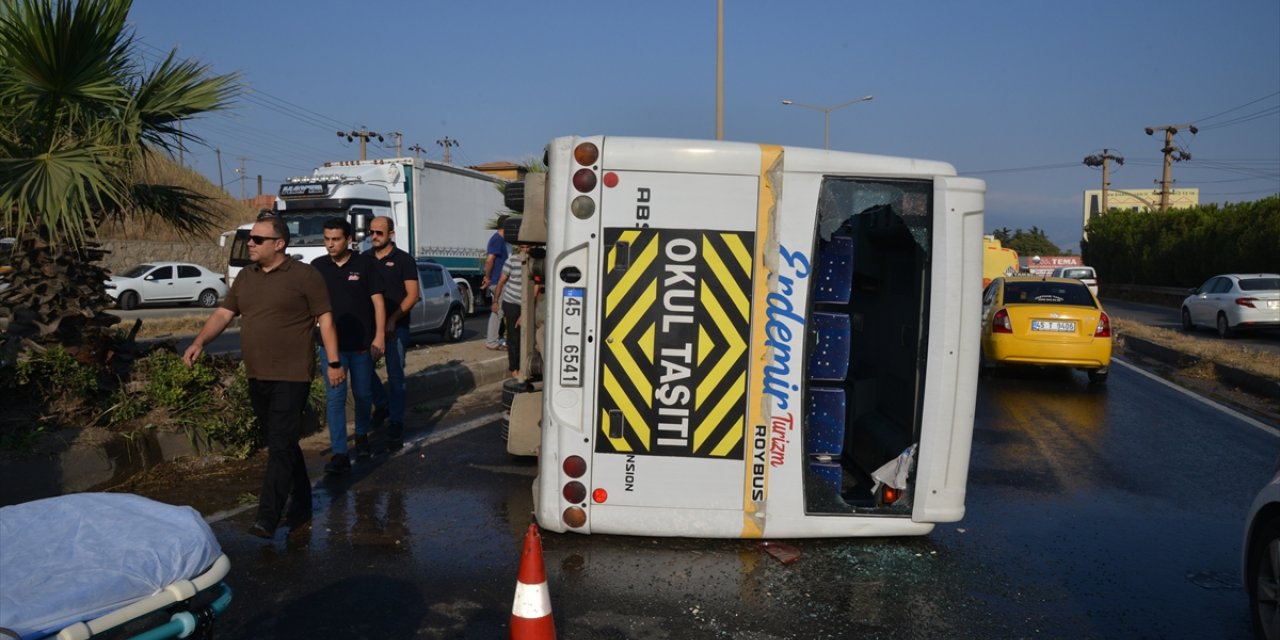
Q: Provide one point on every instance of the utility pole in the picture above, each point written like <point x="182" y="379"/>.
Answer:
<point x="1096" y="160"/>
<point x="399" y="139"/>
<point x="240" y="171"/>
<point x="447" y="143"/>
<point x="364" y="134"/>
<point x="222" y="184"/>
<point x="1171" y="154"/>
<point x="417" y="150"/>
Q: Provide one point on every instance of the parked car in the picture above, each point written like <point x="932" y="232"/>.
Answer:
<point x="1234" y="301"/>
<point x="440" y="307"/>
<point x="1082" y="273"/>
<point x="1261" y="559"/>
<point x="167" y="283"/>
<point x="1054" y="322"/>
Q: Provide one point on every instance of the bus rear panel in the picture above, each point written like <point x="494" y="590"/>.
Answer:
<point x="744" y="340"/>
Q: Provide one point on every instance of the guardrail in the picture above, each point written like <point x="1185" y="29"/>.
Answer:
<point x="1164" y="296"/>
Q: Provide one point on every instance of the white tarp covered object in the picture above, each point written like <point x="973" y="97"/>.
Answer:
<point x="79" y="556"/>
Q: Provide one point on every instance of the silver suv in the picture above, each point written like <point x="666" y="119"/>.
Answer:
<point x="439" y="308"/>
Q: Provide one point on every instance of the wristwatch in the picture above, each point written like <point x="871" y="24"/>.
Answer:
<point x="336" y="364"/>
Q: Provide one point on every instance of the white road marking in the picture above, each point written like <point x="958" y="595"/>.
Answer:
<point x="1257" y="424"/>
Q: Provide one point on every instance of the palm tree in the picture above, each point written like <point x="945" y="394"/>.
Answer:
<point x="80" y="117"/>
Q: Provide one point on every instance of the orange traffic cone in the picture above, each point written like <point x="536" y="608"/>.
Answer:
<point x="531" y="610"/>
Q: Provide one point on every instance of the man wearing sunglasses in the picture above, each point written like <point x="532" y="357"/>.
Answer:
<point x="279" y="301"/>
<point x="400" y="292"/>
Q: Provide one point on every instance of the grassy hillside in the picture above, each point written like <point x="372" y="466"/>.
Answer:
<point x="228" y="212"/>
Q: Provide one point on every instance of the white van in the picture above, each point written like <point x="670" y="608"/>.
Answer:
<point x="1082" y="273"/>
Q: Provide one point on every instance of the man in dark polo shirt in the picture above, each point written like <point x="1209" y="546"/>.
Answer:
<point x="355" y="294"/>
<point x="399" y="274"/>
<point x="280" y="301"/>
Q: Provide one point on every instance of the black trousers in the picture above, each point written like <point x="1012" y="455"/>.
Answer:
<point x="278" y="407"/>
<point x="511" y="311"/>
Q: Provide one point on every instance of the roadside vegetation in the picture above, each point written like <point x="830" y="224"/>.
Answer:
<point x="1209" y="350"/>
<point x="1184" y="247"/>
<point x="50" y="392"/>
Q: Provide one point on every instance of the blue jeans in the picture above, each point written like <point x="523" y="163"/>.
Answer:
<point x="392" y="397"/>
<point x="359" y="366"/>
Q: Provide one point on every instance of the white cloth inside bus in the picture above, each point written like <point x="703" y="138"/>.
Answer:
<point x="894" y="472"/>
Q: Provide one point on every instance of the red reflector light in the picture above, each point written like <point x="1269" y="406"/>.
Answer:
<point x="890" y="495"/>
<point x="584" y="180"/>
<point x="586" y="154"/>
<point x="1103" y="330"/>
<point x="574" y="517"/>
<point x="575" y="492"/>
<point x="1246" y="302"/>
<point x="1000" y="323"/>
<point x="575" y="466"/>
<point x="611" y="179"/>
<point x="600" y="495"/>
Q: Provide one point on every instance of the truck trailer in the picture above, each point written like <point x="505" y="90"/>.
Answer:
<point x="441" y="212"/>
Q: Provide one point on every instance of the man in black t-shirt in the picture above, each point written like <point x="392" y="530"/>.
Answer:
<point x="355" y="293"/>
<point x="399" y="273"/>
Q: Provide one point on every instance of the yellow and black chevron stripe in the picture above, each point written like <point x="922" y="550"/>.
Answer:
<point x="677" y="314"/>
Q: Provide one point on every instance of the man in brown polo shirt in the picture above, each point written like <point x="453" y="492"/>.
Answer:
<point x="280" y="300"/>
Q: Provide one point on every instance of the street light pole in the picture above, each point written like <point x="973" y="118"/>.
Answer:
<point x="826" y="115"/>
<point x="719" y="69"/>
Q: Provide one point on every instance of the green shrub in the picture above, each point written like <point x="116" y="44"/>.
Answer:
<point x="42" y="391"/>
<point x="1184" y="247"/>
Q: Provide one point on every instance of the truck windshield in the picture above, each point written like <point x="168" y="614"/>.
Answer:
<point x="307" y="229"/>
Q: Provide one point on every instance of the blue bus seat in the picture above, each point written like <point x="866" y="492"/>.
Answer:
<point x="835" y="271"/>
<point x="829" y="359"/>
<point x="825" y="434"/>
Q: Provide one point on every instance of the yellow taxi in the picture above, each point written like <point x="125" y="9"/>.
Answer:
<point x="1054" y="322"/>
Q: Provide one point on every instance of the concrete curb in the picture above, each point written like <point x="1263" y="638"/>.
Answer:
<point x="454" y="378"/>
<point x="1247" y="382"/>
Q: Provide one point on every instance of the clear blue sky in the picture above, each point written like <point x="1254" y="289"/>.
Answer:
<point x="1016" y="92"/>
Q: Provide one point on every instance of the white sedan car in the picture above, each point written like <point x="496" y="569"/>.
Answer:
<point x="1234" y="301"/>
<point x="166" y="283"/>
<point x="1262" y="561"/>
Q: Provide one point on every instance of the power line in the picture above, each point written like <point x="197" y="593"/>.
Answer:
<point x="1271" y="95"/>
<point x="1043" y="167"/>
<point x="1243" y="119"/>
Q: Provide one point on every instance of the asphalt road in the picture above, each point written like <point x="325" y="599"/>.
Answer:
<point x="1109" y="512"/>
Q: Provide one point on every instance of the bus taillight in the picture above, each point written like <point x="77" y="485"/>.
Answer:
<point x="574" y="517"/>
<point x="584" y="180"/>
<point x="586" y="154"/>
<point x="575" y="492"/>
<point x="575" y="466"/>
